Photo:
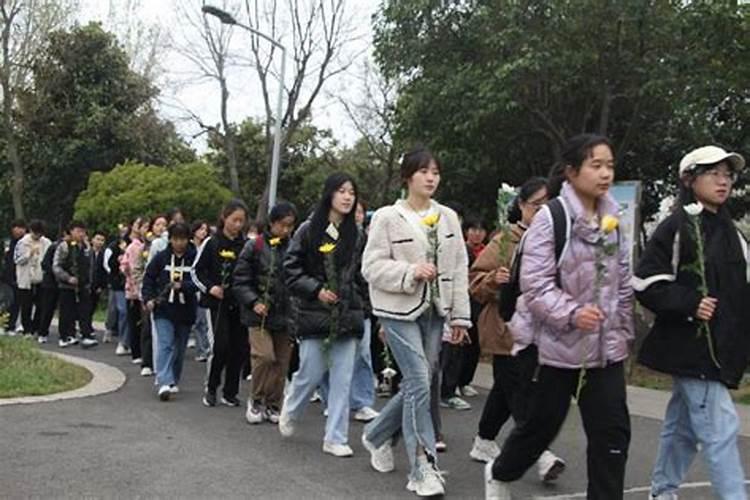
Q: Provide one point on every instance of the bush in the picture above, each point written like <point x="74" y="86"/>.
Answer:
<point x="134" y="189"/>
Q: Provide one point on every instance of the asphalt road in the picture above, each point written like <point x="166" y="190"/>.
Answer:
<point x="127" y="444"/>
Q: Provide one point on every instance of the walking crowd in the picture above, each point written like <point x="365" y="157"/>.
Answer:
<point x="340" y="308"/>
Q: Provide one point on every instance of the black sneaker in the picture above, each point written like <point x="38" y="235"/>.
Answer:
<point x="230" y="401"/>
<point x="209" y="398"/>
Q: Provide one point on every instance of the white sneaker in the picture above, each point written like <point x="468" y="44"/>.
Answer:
<point x="107" y="337"/>
<point x="136" y="361"/>
<point x="255" y="413"/>
<point x="550" y="466"/>
<point x="286" y="424"/>
<point x="337" y="450"/>
<point x="11" y="333"/>
<point x="431" y="484"/>
<point x="174" y="389"/>
<point x="484" y="450"/>
<point x="325" y="412"/>
<point x="494" y="489"/>
<point x="19" y="329"/>
<point x="146" y="371"/>
<point x="62" y="343"/>
<point x="381" y="458"/>
<point x="164" y="393"/>
<point x="365" y="414"/>
<point x="191" y="343"/>
<point x="89" y="342"/>
<point x="121" y="350"/>
<point x="468" y="391"/>
<point x="315" y="398"/>
<point x="72" y="341"/>
<point x="41" y="340"/>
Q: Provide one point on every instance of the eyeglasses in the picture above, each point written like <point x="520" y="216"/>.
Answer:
<point x="718" y="175"/>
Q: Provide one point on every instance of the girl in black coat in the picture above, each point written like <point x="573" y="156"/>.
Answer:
<point x="212" y="274"/>
<point x="322" y="271"/>
<point x="700" y="335"/>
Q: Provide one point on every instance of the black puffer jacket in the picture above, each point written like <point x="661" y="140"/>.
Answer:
<point x="214" y="266"/>
<point x="305" y="276"/>
<point x="251" y="279"/>
<point x="664" y="286"/>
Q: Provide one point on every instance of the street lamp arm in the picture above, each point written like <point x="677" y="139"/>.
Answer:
<point x="262" y="35"/>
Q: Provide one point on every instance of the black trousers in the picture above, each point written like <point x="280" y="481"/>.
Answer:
<point x="48" y="298"/>
<point x="147" y="346"/>
<point x="229" y="349"/>
<point x="28" y="303"/>
<point x="451" y="364"/>
<point x="510" y="393"/>
<point x="606" y="422"/>
<point x="470" y="360"/>
<point x="74" y="307"/>
<point x="135" y="324"/>
<point x="13" y="310"/>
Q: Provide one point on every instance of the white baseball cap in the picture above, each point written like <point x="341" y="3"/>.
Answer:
<point x="710" y="155"/>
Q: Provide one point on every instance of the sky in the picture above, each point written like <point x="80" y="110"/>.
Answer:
<point x="181" y="96"/>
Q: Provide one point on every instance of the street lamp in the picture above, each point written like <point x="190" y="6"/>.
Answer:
<point x="227" y="18"/>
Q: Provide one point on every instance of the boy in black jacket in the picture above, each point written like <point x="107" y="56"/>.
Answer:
<point x="258" y="286"/>
<point x="694" y="276"/>
<point x="169" y="294"/>
<point x="71" y="266"/>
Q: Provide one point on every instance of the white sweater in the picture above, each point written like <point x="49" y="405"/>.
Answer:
<point x="28" y="259"/>
<point x="395" y="246"/>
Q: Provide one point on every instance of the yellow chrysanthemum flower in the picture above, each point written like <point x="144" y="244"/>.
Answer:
<point x="274" y="242"/>
<point x="327" y="248"/>
<point x="227" y="255"/>
<point x="431" y="220"/>
<point x="609" y="223"/>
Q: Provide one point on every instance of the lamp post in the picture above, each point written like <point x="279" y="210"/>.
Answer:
<point x="227" y="18"/>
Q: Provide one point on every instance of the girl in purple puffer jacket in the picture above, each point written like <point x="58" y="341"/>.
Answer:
<point x="578" y="311"/>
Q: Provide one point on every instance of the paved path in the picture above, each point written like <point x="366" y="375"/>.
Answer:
<point x="127" y="444"/>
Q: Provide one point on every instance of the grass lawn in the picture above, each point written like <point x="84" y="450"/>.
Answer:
<point x="26" y="371"/>
<point x="643" y="377"/>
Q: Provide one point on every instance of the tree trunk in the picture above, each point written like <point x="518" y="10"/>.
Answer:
<point x="229" y="141"/>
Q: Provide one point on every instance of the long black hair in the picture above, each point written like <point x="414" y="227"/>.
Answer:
<point x="527" y="190"/>
<point x="348" y="233"/>
<point x="574" y="153"/>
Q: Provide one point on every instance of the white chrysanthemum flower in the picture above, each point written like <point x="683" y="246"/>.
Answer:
<point x="694" y="208"/>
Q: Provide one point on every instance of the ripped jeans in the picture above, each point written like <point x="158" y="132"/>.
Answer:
<point x="415" y="345"/>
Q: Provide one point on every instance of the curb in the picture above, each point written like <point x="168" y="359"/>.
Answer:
<point x="105" y="379"/>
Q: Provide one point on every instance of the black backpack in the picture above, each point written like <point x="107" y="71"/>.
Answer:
<point x="509" y="292"/>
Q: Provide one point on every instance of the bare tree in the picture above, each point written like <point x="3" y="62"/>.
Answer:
<point x="205" y="43"/>
<point x="142" y="41"/>
<point x="315" y="32"/>
<point x="373" y="116"/>
<point x="24" y="25"/>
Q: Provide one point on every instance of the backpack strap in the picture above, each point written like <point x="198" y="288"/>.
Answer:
<point x="561" y="228"/>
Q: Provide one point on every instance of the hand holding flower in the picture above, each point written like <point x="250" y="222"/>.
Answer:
<point x="502" y="276"/>
<point x="260" y="309"/>
<point x="425" y="272"/>
<point x="706" y="308"/>
<point x="588" y="318"/>
<point x="217" y="292"/>
<point x="327" y="297"/>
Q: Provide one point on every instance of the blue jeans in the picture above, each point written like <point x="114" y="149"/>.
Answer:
<point x="363" y="381"/>
<point x="200" y="327"/>
<point x="415" y="345"/>
<point x="700" y="412"/>
<point x="171" y="341"/>
<point x="121" y="307"/>
<point x="313" y="364"/>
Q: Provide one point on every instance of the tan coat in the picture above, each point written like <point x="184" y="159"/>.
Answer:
<point x="494" y="336"/>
